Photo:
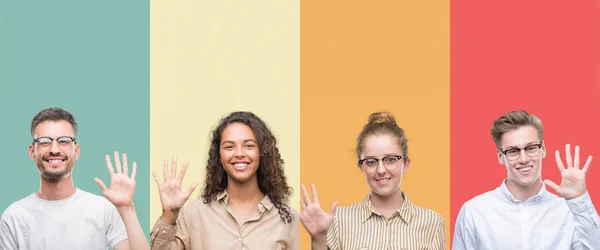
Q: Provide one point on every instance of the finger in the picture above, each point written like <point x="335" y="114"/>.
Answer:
<point x="156" y="179"/>
<point x="302" y="203"/>
<point x="109" y="165"/>
<point x="134" y="170"/>
<point x="306" y="198"/>
<point x="173" y="168"/>
<point x="587" y="164"/>
<point x="166" y="170"/>
<point x="333" y="206"/>
<point x="314" y="191"/>
<point x="125" y="167"/>
<point x="190" y="191"/>
<point x="559" y="162"/>
<point x="118" y="163"/>
<point x="552" y="185"/>
<point x="182" y="173"/>
<point x="576" y="160"/>
<point x="568" y="157"/>
<point x="101" y="184"/>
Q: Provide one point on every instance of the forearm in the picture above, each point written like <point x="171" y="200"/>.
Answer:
<point x="587" y="223"/>
<point x="169" y="234"/>
<point x="135" y="234"/>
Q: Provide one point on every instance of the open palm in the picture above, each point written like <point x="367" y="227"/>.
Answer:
<point x="122" y="187"/>
<point x="172" y="197"/>
<point x="573" y="177"/>
<point x="315" y="220"/>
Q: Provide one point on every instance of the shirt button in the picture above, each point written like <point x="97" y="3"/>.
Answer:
<point x="164" y="232"/>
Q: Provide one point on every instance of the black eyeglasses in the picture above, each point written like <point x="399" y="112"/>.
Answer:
<point x="46" y="142"/>
<point x="390" y="162"/>
<point x="515" y="153"/>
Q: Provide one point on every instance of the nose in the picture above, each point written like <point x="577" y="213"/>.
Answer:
<point x="524" y="157"/>
<point x="54" y="147"/>
<point x="239" y="152"/>
<point x="380" y="167"/>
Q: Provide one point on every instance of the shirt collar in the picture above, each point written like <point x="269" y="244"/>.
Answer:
<point x="506" y="194"/>
<point x="406" y="211"/>
<point x="265" y="203"/>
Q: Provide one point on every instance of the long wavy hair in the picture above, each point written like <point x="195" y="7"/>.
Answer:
<point x="270" y="174"/>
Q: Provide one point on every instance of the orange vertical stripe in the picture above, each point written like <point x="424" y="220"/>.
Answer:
<point x="357" y="58"/>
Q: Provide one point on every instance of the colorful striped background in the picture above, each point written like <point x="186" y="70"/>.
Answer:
<point x="152" y="79"/>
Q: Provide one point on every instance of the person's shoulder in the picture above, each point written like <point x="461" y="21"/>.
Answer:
<point x="351" y="207"/>
<point x="429" y="214"/>
<point x="18" y="206"/>
<point x="483" y="200"/>
<point x="197" y="204"/>
<point x="349" y="212"/>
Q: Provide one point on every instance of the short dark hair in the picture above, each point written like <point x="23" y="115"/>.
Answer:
<point x="53" y="114"/>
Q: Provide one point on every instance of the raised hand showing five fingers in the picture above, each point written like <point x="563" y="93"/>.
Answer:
<point x="573" y="177"/>
<point x="172" y="197"/>
<point x="122" y="187"/>
<point x="315" y="220"/>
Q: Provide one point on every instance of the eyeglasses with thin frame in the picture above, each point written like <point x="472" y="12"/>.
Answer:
<point x="46" y="142"/>
<point x="532" y="150"/>
<point x="389" y="162"/>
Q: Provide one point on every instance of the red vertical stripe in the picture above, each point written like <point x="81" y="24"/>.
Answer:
<point x="541" y="56"/>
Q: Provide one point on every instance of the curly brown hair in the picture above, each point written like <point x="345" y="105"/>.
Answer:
<point x="270" y="174"/>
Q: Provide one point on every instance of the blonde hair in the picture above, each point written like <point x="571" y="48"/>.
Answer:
<point x="514" y="120"/>
<point x="382" y="123"/>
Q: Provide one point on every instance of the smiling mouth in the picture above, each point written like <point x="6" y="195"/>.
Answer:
<point x="525" y="169"/>
<point x="384" y="180"/>
<point x="241" y="165"/>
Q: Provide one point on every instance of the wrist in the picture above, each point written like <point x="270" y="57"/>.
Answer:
<point x="125" y="209"/>
<point x="322" y="237"/>
<point x="169" y="217"/>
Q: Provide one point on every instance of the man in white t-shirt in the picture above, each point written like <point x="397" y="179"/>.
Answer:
<point x="61" y="216"/>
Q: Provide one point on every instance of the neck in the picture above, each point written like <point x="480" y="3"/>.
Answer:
<point x="523" y="193"/>
<point x="387" y="205"/>
<point x="244" y="192"/>
<point x="56" y="190"/>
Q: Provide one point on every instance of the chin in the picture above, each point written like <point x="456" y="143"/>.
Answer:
<point x="240" y="178"/>
<point x="384" y="191"/>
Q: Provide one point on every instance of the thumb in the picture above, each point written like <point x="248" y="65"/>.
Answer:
<point x="552" y="185"/>
<point x="190" y="191"/>
<point x="101" y="184"/>
<point x="333" y="206"/>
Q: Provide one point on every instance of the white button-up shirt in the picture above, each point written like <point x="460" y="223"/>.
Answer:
<point x="496" y="220"/>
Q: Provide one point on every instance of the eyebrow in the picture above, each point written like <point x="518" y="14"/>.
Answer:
<point x="526" y="145"/>
<point x="245" y="141"/>
<point x="386" y="155"/>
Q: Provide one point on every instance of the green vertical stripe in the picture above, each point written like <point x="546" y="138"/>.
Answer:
<point x="90" y="58"/>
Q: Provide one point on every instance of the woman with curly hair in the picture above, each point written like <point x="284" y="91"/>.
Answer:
<point x="244" y="201"/>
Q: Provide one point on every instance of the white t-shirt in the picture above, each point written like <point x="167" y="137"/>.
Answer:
<point x="81" y="221"/>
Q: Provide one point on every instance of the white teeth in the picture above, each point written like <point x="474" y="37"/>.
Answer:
<point x="383" y="180"/>
<point x="525" y="169"/>
<point x="240" y="164"/>
<point x="54" y="161"/>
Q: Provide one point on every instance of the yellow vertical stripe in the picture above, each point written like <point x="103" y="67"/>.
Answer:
<point x="208" y="58"/>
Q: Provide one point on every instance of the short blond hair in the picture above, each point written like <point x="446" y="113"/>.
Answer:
<point x="514" y="120"/>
